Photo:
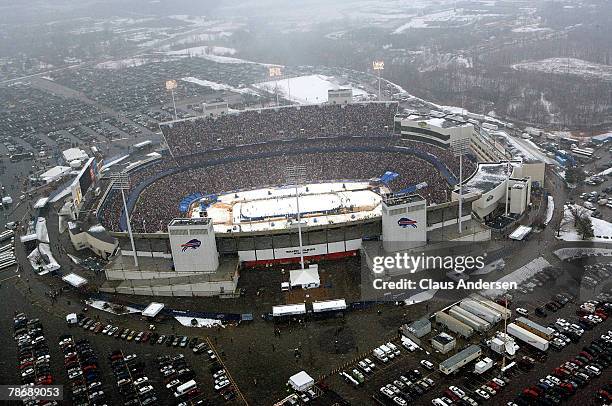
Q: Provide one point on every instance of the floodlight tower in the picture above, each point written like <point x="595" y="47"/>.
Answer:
<point x="296" y="174"/>
<point x="460" y="147"/>
<point x="121" y="182"/>
<point x="508" y="171"/>
<point x="171" y="85"/>
<point x="378" y="66"/>
<point x="275" y="72"/>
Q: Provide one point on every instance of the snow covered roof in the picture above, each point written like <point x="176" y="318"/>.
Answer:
<point x="54" y="173"/>
<point x="301" y="381"/>
<point x="40" y="203"/>
<point x="153" y="309"/>
<point x="487" y="177"/>
<point x="74" y="280"/>
<point x="329" y="305"/>
<point x="520" y="233"/>
<point x="72" y="154"/>
<point x="288" y="310"/>
<point x="304" y="277"/>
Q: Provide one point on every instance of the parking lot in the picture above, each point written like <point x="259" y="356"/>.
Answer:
<point x="405" y="379"/>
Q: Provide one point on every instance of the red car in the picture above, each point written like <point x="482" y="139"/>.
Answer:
<point x="44" y="380"/>
<point x="531" y="393"/>
<point x="493" y="386"/>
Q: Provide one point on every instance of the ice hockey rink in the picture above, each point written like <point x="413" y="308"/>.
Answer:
<point x="276" y="208"/>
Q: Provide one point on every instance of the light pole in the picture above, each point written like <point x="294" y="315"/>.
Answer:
<point x="378" y="66"/>
<point x="121" y="182"/>
<point x="275" y="72"/>
<point x="171" y="85"/>
<point x="508" y="170"/>
<point x="296" y="175"/>
<point x="460" y="147"/>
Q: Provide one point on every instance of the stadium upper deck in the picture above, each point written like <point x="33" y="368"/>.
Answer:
<point x="190" y="136"/>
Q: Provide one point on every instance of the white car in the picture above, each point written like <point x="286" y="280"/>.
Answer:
<point x="593" y="369"/>
<point x="387" y="392"/>
<point x="489" y="389"/>
<point x="522" y="311"/>
<point x="140" y="381"/>
<point x="221" y="385"/>
<point x="457" y="391"/>
<point x="369" y="362"/>
<point x="427" y="364"/>
<point x="364" y="366"/>
<point x="483" y="394"/>
<point x="499" y="382"/>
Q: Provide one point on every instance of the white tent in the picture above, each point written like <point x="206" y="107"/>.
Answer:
<point x="520" y="233"/>
<point x="301" y="381"/>
<point x="74" y="153"/>
<point x="305" y="278"/>
<point x="54" y="173"/>
<point x="74" y="280"/>
<point x="153" y="309"/>
<point x="72" y="318"/>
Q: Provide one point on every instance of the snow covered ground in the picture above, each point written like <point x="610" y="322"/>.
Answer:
<point x="572" y="253"/>
<point x="186" y="321"/>
<point x="568" y="66"/>
<point x="550" y="210"/>
<point x="203" y="50"/>
<point x="519" y="276"/>
<point x="530" y="28"/>
<point x="526" y="147"/>
<point x="307" y="89"/>
<point x="454" y="17"/>
<point x="217" y="86"/>
<point x="602" y="230"/>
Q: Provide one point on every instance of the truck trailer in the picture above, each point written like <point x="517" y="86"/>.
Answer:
<point x="460" y="359"/>
<point x="454" y="325"/>
<point x="535" y="328"/>
<point x="480" y="310"/>
<point x="494" y="306"/>
<point x="470" y="319"/>
<point x="527" y="337"/>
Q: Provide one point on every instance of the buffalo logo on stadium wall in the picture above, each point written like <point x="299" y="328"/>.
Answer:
<point x="193" y="244"/>
<point x="406" y="222"/>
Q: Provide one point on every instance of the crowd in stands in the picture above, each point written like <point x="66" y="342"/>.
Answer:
<point x="293" y="122"/>
<point x="342" y="143"/>
<point x="265" y="165"/>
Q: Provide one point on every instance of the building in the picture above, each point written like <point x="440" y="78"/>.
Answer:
<point x="443" y="129"/>
<point x="494" y="184"/>
<point x="443" y="342"/>
<point x="95" y="238"/>
<point x="214" y="109"/>
<point x="420" y="327"/>
<point x="404" y="222"/>
<point x="340" y="96"/>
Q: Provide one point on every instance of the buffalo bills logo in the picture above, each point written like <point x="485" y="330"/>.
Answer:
<point x="193" y="244"/>
<point x="406" y="222"/>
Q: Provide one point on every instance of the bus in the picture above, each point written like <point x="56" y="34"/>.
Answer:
<point x="582" y="153"/>
<point x="184" y="388"/>
<point x="21" y="156"/>
<point x="6" y="235"/>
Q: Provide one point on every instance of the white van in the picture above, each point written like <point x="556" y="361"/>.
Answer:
<point x="393" y="348"/>
<point x="184" y="388"/>
<point x="387" y="351"/>
<point x="438" y="402"/>
<point x="380" y="355"/>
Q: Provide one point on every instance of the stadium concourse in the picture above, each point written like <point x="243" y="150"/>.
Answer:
<point x="350" y="142"/>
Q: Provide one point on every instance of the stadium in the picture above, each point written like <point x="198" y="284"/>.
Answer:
<point x="236" y="171"/>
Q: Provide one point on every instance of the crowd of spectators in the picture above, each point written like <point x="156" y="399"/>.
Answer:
<point x="257" y="166"/>
<point x="293" y="122"/>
